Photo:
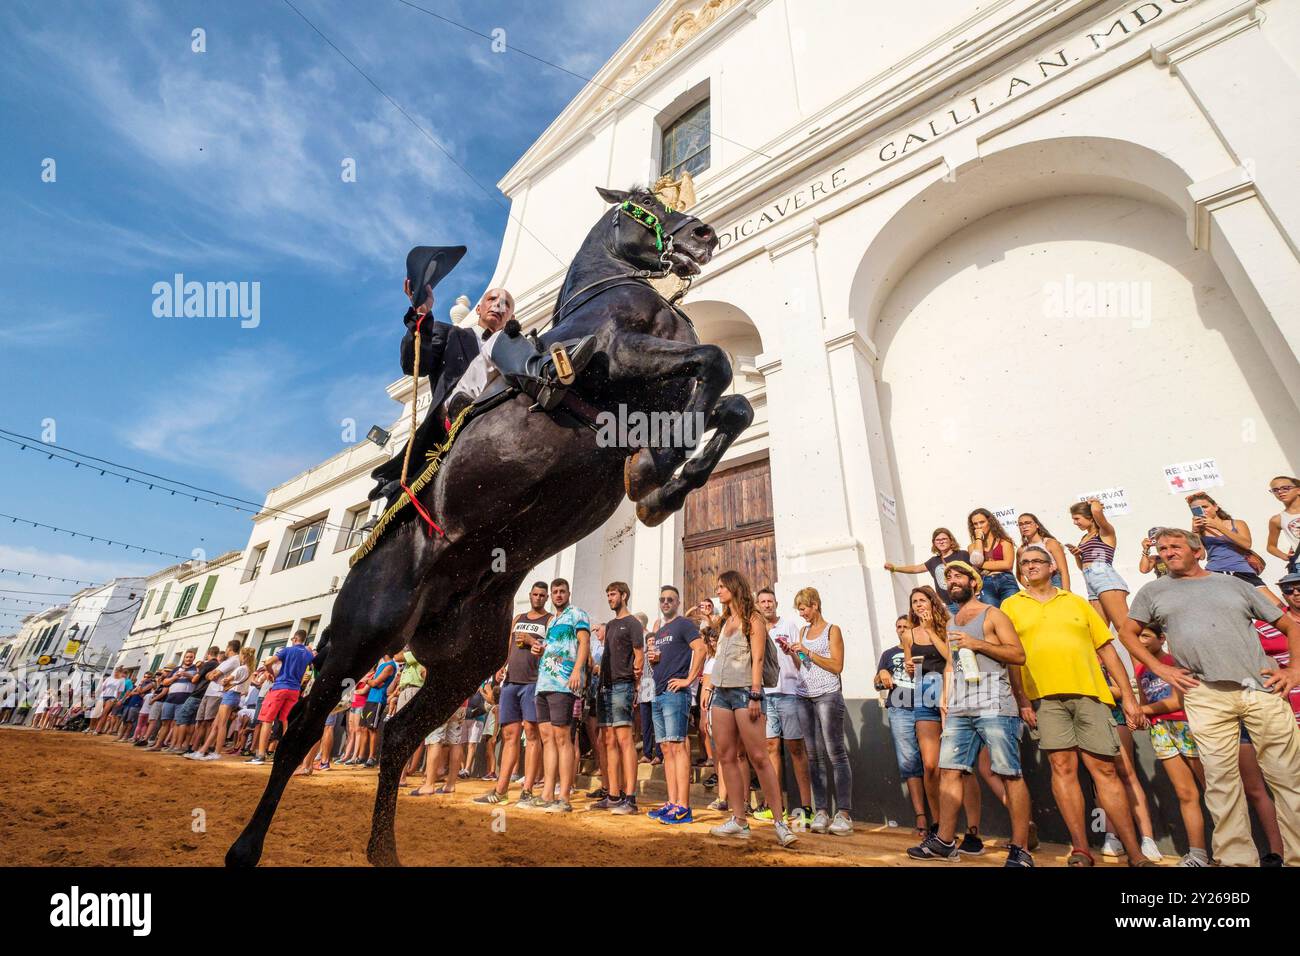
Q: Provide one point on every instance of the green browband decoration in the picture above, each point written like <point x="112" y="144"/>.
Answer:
<point x="646" y="218"/>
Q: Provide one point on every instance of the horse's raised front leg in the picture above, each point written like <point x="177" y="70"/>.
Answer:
<point x="637" y="358"/>
<point x="729" y="418"/>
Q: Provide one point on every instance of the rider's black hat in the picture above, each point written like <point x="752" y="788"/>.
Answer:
<point x="427" y="266"/>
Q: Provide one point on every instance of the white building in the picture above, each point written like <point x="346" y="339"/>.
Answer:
<point x="992" y="255"/>
<point x="180" y="611"/>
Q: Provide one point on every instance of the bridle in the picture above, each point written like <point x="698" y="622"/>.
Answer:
<point x="663" y="243"/>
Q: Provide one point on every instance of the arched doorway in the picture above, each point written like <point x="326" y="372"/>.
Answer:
<point x="728" y="524"/>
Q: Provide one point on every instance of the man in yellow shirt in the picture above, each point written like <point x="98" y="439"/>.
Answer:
<point x="1068" y="700"/>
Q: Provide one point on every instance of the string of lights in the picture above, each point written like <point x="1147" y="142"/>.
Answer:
<point x="150" y="480"/>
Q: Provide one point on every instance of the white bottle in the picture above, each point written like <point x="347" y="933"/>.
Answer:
<point x="970" y="668"/>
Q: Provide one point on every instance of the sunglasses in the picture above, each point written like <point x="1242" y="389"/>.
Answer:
<point x="1291" y="589"/>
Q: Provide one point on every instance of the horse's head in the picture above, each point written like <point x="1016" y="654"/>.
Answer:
<point x="651" y="235"/>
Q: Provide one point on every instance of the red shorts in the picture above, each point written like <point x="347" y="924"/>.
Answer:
<point x="277" y="705"/>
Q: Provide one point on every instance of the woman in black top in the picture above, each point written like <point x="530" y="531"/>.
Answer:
<point x="928" y="638"/>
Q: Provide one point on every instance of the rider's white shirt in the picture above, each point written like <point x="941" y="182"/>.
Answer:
<point x="481" y="372"/>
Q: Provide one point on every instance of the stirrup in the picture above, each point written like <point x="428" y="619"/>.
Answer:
<point x="563" y="367"/>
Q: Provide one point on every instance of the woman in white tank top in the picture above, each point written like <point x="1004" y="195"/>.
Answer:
<point x="1284" y="527"/>
<point x="821" y="651"/>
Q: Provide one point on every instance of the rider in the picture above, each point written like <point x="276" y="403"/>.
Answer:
<point x="461" y="362"/>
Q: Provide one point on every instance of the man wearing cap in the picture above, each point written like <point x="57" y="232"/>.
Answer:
<point x="1067" y="700"/>
<point x="980" y="706"/>
<point x="448" y="352"/>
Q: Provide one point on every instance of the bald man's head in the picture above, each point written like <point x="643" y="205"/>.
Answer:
<point x="495" y="309"/>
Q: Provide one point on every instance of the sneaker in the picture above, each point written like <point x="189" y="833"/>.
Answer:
<point x="213" y="755"/>
<point x="659" y="811"/>
<point x="1112" y="848"/>
<point x="600" y="793"/>
<point x="463" y="775"/>
<point x="371" y="764"/>
<point x="932" y="848"/>
<point x="1270" y="860"/>
<point x="971" y="844"/>
<point x="798" y="819"/>
<point x="558" y="806"/>
<point x="820" y="822"/>
<point x="194" y="755"/>
<point x="604" y="803"/>
<point x="256" y="760"/>
<point x="1018" y="857"/>
<point x="678" y="815"/>
<point x="625" y="806"/>
<point x="763" y="813"/>
<point x="1151" y="851"/>
<point x="732" y="829"/>
<point x="784" y="836"/>
<point x="1194" y="859"/>
<point x="517" y="778"/>
<point x="710" y="781"/>
<point x="719" y="805"/>
<point x="491" y="797"/>
<point x="842" y="825"/>
<point x="530" y="802"/>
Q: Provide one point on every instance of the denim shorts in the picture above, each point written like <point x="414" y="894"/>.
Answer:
<point x="902" y="727"/>
<point x="784" y="717"/>
<point x="230" y="698"/>
<point x="998" y="586"/>
<point x="1101" y="577"/>
<point x="927" y="700"/>
<point x="730" y="698"/>
<point x="671" y="714"/>
<point x="614" y="706"/>
<point x="169" y="710"/>
<point x="518" y="703"/>
<point x="188" y="711"/>
<point x="960" y="745"/>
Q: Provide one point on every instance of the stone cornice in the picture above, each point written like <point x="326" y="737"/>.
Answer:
<point x="1244" y="16"/>
<point x="1210" y="195"/>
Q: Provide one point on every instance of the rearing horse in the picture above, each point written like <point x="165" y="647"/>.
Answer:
<point x="526" y="485"/>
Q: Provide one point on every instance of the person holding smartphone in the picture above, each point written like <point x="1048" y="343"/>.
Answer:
<point x="1227" y="544"/>
<point x="737" y="707"/>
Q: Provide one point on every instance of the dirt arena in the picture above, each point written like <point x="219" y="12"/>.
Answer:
<point x="75" y="800"/>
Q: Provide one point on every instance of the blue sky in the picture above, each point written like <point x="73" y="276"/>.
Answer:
<point x="226" y="166"/>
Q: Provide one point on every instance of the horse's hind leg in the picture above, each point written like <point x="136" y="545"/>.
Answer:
<point x="432" y="704"/>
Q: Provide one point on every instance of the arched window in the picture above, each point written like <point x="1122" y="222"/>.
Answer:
<point x="686" y="143"/>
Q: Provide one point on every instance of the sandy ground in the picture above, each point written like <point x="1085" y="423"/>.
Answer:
<point x="76" y="800"/>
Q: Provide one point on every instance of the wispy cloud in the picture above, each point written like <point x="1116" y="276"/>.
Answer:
<point x="60" y="565"/>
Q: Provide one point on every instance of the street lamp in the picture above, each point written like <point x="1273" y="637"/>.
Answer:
<point x="378" y="436"/>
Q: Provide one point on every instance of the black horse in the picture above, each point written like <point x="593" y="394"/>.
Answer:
<point x="517" y="487"/>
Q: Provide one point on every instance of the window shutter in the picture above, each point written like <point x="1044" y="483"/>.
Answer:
<point x="148" y="599"/>
<point x="207" y="592"/>
<point x="162" y="601"/>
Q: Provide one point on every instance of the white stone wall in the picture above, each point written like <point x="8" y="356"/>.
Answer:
<point x="902" y="308"/>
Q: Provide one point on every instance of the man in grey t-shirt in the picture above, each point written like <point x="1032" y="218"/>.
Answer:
<point x="1226" y="679"/>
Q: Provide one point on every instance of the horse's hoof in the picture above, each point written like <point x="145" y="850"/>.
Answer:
<point x="242" y="854"/>
<point x="386" y="856"/>
<point x="651" y="515"/>
<point x="640" y="474"/>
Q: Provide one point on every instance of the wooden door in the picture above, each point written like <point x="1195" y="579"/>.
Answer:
<point x="728" y="527"/>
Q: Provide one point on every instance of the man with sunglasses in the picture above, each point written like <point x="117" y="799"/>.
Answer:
<point x="676" y="653"/>
<point x="1067" y="700"/>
